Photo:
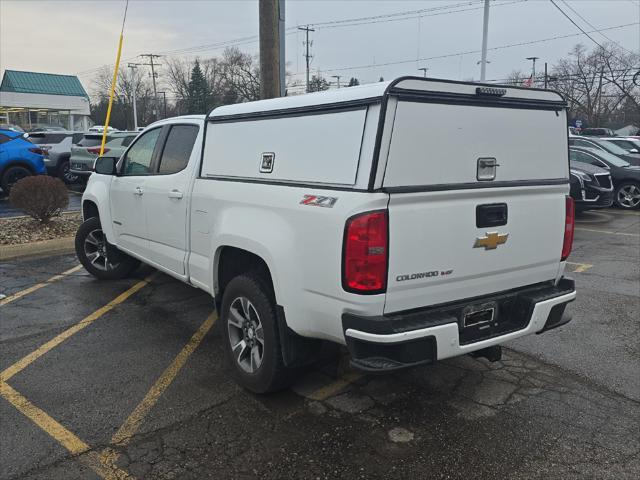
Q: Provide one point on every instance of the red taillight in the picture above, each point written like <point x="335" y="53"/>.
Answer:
<point x="569" y="224"/>
<point x="38" y="151"/>
<point x="96" y="150"/>
<point x="364" y="264"/>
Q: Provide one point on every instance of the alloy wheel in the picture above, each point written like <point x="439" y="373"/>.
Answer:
<point x="96" y="250"/>
<point x="246" y="335"/>
<point x="629" y="196"/>
<point x="67" y="175"/>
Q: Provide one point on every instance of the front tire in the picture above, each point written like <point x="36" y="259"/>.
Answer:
<point x="99" y="257"/>
<point x="627" y="195"/>
<point x="251" y="335"/>
<point x="11" y="176"/>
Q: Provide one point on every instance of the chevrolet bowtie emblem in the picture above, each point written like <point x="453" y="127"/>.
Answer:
<point x="491" y="240"/>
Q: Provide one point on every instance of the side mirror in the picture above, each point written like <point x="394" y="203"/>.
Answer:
<point x="105" y="165"/>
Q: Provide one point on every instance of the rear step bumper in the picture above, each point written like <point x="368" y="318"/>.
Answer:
<point x="395" y="341"/>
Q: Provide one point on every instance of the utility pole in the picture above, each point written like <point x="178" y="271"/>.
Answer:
<point x="153" y="78"/>
<point x="133" y="67"/>
<point x="337" y="77"/>
<point x="307" y="56"/>
<point x="485" y="39"/>
<point x="545" y="75"/>
<point x="424" y="71"/>
<point x="164" y="96"/>
<point x="533" y="69"/>
<point x="270" y="49"/>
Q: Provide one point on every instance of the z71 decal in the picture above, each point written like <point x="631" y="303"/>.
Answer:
<point x="318" y="201"/>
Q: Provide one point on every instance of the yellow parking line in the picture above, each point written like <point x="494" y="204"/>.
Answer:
<point x="608" y="232"/>
<point x="38" y="286"/>
<point x="581" y="267"/>
<point x="129" y="428"/>
<point x="59" y="433"/>
<point x="334" y="387"/>
<point x="57" y="340"/>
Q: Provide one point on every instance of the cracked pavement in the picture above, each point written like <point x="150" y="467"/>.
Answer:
<point x="548" y="410"/>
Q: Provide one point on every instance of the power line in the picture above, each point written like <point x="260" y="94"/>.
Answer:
<point x="468" y="52"/>
<point x="577" y="26"/>
<point x="591" y="25"/>
<point x="442" y="10"/>
<point x="356" y="23"/>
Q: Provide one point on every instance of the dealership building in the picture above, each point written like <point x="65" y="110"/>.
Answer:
<point x="31" y="100"/>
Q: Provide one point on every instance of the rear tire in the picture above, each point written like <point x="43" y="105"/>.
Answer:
<point x="11" y="176"/>
<point x="99" y="257"/>
<point x="251" y="338"/>
<point x="627" y="195"/>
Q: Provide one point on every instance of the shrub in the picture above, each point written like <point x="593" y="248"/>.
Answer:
<point x="40" y="197"/>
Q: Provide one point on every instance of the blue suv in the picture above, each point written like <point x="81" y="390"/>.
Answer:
<point x="19" y="158"/>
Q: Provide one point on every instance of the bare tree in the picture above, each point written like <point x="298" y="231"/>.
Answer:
<point x="241" y="76"/>
<point x="598" y="85"/>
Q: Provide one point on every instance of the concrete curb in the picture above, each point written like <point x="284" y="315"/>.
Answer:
<point x="57" y="246"/>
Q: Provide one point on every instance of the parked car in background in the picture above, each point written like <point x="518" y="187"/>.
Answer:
<point x="10" y="126"/>
<point x="624" y="176"/>
<point x="597" y="132"/>
<point x="591" y="186"/>
<point x="19" y="158"/>
<point x="56" y="147"/>
<point x="573" y="131"/>
<point x="100" y="129"/>
<point x="630" y="144"/>
<point x="48" y="128"/>
<point x="605" y="146"/>
<point x="85" y="152"/>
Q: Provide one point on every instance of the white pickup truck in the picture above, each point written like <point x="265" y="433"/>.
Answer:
<point x="412" y="221"/>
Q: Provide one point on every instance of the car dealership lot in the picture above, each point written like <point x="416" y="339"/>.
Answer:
<point x="127" y="379"/>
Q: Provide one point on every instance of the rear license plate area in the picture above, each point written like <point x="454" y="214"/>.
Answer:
<point x="480" y="318"/>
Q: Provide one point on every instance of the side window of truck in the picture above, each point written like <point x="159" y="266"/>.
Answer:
<point x="138" y="158"/>
<point x="177" y="149"/>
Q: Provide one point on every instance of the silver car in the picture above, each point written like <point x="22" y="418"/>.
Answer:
<point x="85" y="152"/>
<point x="56" y="147"/>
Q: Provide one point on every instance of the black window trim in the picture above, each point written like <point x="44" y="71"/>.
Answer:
<point x="164" y="137"/>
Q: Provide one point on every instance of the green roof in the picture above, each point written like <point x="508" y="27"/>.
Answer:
<point x="44" y="83"/>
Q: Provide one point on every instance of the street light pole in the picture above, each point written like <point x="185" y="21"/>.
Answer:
<point x="485" y="39"/>
<point x="133" y="67"/>
<point x="337" y="77"/>
<point x="533" y="69"/>
<point x="424" y="71"/>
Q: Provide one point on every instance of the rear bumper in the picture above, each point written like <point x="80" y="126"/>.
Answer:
<point x="391" y="342"/>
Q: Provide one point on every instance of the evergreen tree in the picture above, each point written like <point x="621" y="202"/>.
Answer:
<point x="353" y="82"/>
<point x="318" y="83"/>
<point x="198" y="91"/>
<point x="381" y="79"/>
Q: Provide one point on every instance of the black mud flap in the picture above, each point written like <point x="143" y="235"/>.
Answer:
<point x="297" y="351"/>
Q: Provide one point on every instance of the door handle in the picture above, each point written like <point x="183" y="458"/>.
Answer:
<point x="175" y="194"/>
<point x="138" y="191"/>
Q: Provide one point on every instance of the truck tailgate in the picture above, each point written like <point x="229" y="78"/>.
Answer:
<point x="446" y="239"/>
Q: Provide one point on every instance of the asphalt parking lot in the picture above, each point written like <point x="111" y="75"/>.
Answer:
<point x="127" y="379"/>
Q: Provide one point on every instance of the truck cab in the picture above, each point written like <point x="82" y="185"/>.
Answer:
<point x="411" y="221"/>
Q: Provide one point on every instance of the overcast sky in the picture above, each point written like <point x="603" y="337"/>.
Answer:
<point x="76" y="37"/>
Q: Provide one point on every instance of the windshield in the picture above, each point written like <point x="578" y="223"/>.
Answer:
<point x="91" y="141"/>
<point x="40" y="138"/>
<point x="612" y="147"/>
<point x="609" y="158"/>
